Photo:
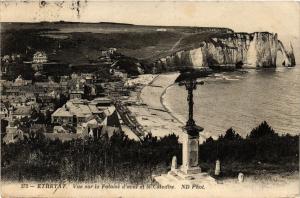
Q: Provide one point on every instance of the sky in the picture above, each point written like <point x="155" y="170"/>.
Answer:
<point x="280" y="17"/>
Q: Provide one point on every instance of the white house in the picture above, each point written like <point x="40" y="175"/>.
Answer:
<point x="40" y="57"/>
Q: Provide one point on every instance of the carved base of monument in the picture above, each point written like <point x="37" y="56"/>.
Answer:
<point x="178" y="178"/>
<point x="191" y="170"/>
<point x="190" y="154"/>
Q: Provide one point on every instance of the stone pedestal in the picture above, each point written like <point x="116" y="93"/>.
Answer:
<point x="190" y="147"/>
<point x="189" y="172"/>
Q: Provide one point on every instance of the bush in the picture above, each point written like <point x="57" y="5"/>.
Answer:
<point x="87" y="159"/>
<point x="262" y="144"/>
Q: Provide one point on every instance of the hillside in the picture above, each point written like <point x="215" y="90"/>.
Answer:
<point x="162" y="47"/>
<point x="78" y="42"/>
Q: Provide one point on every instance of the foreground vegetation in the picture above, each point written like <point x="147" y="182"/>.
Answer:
<point x="120" y="159"/>
<point x="262" y="151"/>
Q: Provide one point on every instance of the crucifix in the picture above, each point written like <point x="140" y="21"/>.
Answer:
<point x="190" y="142"/>
<point x="191" y="85"/>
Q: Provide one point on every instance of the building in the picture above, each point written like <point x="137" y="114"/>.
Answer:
<point x="112" y="50"/>
<point x="77" y="91"/>
<point x="79" y="113"/>
<point x="119" y="73"/>
<point x="88" y="77"/>
<point x="13" y="134"/>
<point x="115" y="89"/>
<point x="21" y="112"/>
<point x="76" y="94"/>
<point x="4" y="109"/>
<point x="49" y="86"/>
<point x="105" y="54"/>
<point x="46" y="103"/>
<point x="40" y="57"/>
<point x="6" y="59"/>
<point x="19" y="81"/>
<point x="29" y="94"/>
<point x="16" y="101"/>
<point x="75" y="112"/>
<point x="108" y="53"/>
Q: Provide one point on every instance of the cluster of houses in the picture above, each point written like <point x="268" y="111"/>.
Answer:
<point x="73" y="105"/>
<point x="19" y="99"/>
<point x="89" y="117"/>
<point x="77" y="118"/>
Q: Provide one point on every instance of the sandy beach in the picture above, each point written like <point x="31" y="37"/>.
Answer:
<point x="152" y="114"/>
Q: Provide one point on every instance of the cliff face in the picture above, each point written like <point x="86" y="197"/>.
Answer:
<point x="258" y="49"/>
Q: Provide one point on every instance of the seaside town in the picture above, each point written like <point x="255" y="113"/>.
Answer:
<point x="92" y="102"/>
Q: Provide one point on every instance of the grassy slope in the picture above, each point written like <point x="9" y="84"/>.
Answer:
<point x="83" y="41"/>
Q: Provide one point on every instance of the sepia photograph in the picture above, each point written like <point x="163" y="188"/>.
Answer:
<point x="150" y="98"/>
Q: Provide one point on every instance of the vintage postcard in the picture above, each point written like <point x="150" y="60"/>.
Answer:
<point x="150" y="98"/>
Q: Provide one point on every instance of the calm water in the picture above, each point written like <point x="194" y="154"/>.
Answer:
<point x="243" y="100"/>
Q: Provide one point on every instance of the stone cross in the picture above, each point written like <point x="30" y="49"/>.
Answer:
<point x="190" y="143"/>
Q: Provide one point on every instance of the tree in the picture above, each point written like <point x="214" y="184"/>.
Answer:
<point x="231" y="135"/>
<point x="61" y="101"/>
<point x="209" y="140"/>
<point x="4" y="124"/>
<point x="37" y="116"/>
<point x="34" y="114"/>
<point x="87" y="92"/>
<point x="261" y="131"/>
<point x="47" y="117"/>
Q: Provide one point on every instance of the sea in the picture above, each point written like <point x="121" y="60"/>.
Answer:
<point x="242" y="100"/>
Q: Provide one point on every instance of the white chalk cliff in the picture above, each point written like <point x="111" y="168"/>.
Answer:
<point x="258" y="49"/>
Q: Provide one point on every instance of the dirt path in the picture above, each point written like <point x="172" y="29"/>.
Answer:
<point x="176" y="44"/>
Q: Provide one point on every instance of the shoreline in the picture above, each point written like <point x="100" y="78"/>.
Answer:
<point x="151" y="107"/>
<point x="153" y="114"/>
<point x="160" y="84"/>
<point x="140" y="91"/>
<point x="163" y="103"/>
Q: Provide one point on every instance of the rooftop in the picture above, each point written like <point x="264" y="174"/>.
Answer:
<point x="23" y="110"/>
<point x="83" y="108"/>
<point x="62" y="112"/>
